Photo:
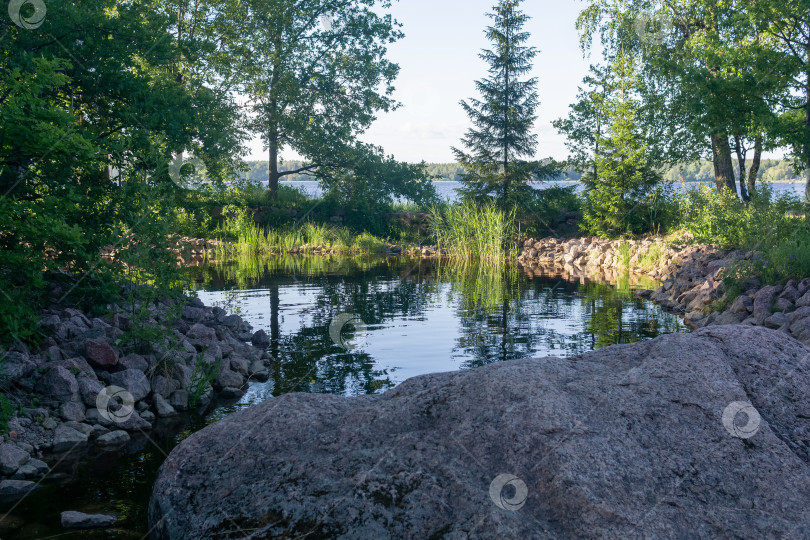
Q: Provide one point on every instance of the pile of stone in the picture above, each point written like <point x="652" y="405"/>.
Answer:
<point x="583" y="256"/>
<point x="85" y="388"/>
<point x="691" y="276"/>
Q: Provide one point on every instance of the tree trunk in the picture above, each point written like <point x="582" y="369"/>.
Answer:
<point x="272" y="165"/>
<point x="506" y="125"/>
<point x="275" y="327"/>
<point x="738" y="146"/>
<point x="723" y="167"/>
<point x="807" y="127"/>
<point x="754" y="170"/>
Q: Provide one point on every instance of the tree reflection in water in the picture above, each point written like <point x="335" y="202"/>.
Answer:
<point x="501" y="313"/>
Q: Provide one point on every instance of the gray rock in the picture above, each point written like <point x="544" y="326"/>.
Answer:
<point x="65" y="439"/>
<point x="200" y="332"/>
<point x="729" y="318"/>
<point x="232" y="321"/>
<point x="240" y="365"/>
<point x="790" y="293"/>
<point x="260" y="339"/>
<point x="81" y="427"/>
<point x="98" y="431"/>
<point x="184" y="375"/>
<point x="17" y="366"/>
<point x="93" y="416"/>
<point x="777" y="320"/>
<point x="59" y="383"/>
<point x="17" y="488"/>
<point x="179" y="400"/>
<point x="162" y="406"/>
<point x="33" y="468"/>
<point x="258" y="371"/>
<point x="801" y="313"/>
<point x="232" y="392"/>
<point x="100" y="354"/>
<point x="78" y="520"/>
<point x="134" y="381"/>
<point x="72" y="410"/>
<point x="763" y="302"/>
<point x="134" y="361"/>
<point x="148" y="416"/>
<point x="783" y="304"/>
<point x="89" y="390"/>
<point x="163" y="386"/>
<point x="76" y="365"/>
<point x="228" y="378"/>
<point x="11" y="458"/>
<point x="113" y="438"/>
<point x="804" y="301"/>
<point x="194" y="314"/>
<point x="742" y="304"/>
<point x="628" y="441"/>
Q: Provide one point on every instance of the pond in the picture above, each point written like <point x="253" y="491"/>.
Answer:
<point x="353" y="326"/>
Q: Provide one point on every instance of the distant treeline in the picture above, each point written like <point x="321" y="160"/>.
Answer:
<point x="771" y="170"/>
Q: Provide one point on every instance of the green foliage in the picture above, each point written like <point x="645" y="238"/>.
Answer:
<point x="621" y="195"/>
<point x="313" y="87"/>
<point x="501" y="137"/>
<point x="721" y="219"/>
<point x="367" y="188"/>
<point x="775" y="227"/>
<point x="471" y="231"/>
<point x="202" y="375"/>
<point x="6" y="408"/>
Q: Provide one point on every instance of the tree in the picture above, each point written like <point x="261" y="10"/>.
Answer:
<point x="372" y="184"/>
<point x="616" y="198"/>
<point x="503" y="118"/>
<point x="787" y="23"/>
<point x="584" y="125"/>
<point x="316" y="74"/>
<point x="98" y="86"/>
<point x="706" y="61"/>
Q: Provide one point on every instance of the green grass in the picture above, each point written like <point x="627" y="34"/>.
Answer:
<point x="655" y="256"/>
<point x="469" y="231"/>
<point x="253" y="240"/>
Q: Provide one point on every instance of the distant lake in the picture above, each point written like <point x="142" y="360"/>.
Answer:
<point x="447" y="190"/>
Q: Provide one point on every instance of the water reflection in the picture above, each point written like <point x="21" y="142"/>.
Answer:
<point x="420" y="316"/>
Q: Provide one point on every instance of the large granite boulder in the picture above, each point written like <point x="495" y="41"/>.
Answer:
<point x="688" y="435"/>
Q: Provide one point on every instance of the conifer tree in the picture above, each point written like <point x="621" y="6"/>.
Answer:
<point x="500" y="140"/>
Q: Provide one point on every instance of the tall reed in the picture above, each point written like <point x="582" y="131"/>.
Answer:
<point x="471" y="231"/>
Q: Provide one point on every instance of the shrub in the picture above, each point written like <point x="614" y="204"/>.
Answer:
<point x="724" y="220"/>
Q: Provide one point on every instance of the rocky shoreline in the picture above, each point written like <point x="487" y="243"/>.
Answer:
<point x="88" y="391"/>
<point x="84" y="391"/>
<point x="694" y="435"/>
<point x="690" y="276"/>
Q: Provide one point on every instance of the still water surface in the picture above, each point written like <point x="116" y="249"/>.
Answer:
<point x="410" y="317"/>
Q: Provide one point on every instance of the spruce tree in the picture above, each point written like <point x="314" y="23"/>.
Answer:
<point x="500" y="138"/>
<point x="619" y="199"/>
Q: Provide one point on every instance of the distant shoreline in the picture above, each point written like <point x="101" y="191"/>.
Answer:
<point x="799" y="181"/>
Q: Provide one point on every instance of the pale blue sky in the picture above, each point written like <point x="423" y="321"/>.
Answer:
<point x="439" y="63"/>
